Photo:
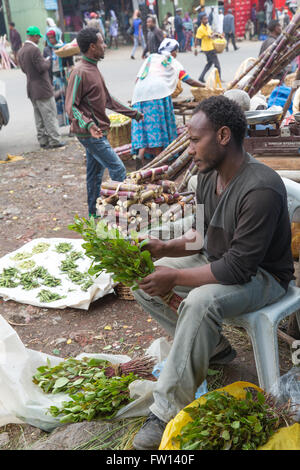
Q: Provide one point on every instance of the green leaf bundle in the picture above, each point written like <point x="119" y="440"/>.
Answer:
<point x="124" y="259"/>
<point x="225" y="423"/>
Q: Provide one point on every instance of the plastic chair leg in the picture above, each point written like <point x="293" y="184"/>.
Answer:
<point x="263" y="335"/>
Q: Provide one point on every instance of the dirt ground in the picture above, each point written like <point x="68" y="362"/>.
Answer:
<point x="39" y="197"/>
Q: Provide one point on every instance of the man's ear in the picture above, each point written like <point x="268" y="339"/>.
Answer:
<point x="224" y="135"/>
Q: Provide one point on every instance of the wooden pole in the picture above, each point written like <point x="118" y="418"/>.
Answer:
<point x="8" y="11"/>
<point x="61" y="16"/>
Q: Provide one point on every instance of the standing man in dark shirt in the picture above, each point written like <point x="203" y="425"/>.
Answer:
<point x="86" y="101"/>
<point x="154" y="37"/>
<point x="40" y="90"/>
<point x="243" y="263"/>
<point x="16" y="41"/>
<point x="178" y="24"/>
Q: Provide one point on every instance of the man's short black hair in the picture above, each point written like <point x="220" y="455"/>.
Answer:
<point x="12" y="24"/>
<point x="221" y="111"/>
<point x="86" y="37"/>
<point x="272" y="25"/>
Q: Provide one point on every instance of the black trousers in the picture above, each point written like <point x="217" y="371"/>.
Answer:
<point x="212" y="59"/>
<point x="231" y="36"/>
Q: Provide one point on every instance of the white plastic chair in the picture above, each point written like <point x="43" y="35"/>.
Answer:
<point x="262" y="325"/>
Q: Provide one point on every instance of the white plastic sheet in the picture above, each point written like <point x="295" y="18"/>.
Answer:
<point x="73" y="295"/>
<point x="21" y="401"/>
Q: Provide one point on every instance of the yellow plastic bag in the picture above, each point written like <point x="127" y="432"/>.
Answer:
<point x="285" y="438"/>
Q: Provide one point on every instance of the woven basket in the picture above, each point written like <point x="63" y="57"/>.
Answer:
<point x="202" y="93"/>
<point x="289" y="79"/>
<point x="67" y="51"/>
<point x="269" y="87"/>
<point x="119" y="133"/>
<point x="178" y="90"/>
<point x="124" y="292"/>
<point x="220" y="46"/>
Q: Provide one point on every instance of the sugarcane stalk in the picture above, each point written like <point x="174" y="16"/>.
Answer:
<point x="150" y="174"/>
<point x="178" y="164"/>
<point x="278" y="66"/>
<point x="275" y="48"/>
<point x="145" y="195"/>
<point x="156" y="188"/>
<point x="249" y="68"/>
<point x="168" y="187"/>
<point x="167" y="198"/>
<point x="165" y="154"/>
<point x="191" y="171"/>
<point x="121" y="186"/>
<point x="112" y="192"/>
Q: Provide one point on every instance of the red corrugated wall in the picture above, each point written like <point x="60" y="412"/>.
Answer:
<point x="241" y="10"/>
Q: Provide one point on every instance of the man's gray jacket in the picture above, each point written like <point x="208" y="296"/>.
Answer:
<point x="228" y="24"/>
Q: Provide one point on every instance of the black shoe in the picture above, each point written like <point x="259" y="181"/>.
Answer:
<point x="56" y="146"/>
<point x="223" y="354"/>
<point x="131" y="57"/>
<point x="44" y="146"/>
<point x="236" y="48"/>
<point x="150" y="435"/>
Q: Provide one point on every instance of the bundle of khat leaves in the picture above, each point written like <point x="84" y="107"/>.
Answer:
<point x="110" y="251"/>
<point x="97" y="388"/>
<point x="224" y="422"/>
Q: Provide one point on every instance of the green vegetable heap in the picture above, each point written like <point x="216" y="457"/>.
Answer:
<point x="93" y="390"/>
<point x="225" y="423"/>
<point x="124" y="259"/>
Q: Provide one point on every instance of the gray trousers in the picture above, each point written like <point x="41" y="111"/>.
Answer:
<point x="46" y="121"/>
<point x="196" y="329"/>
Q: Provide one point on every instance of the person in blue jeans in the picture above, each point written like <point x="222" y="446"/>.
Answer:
<point x="138" y="36"/>
<point x="86" y="101"/>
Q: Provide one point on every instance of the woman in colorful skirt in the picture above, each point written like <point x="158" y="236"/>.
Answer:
<point x="152" y="96"/>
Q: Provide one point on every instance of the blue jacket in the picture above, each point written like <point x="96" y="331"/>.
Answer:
<point x="228" y="24"/>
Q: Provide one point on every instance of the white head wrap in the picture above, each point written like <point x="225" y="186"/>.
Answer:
<point x="167" y="46"/>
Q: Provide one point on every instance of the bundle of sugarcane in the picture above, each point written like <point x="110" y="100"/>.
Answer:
<point x="274" y="59"/>
<point x="179" y="209"/>
<point x="126" y="185"/>
<point x="191" y="171"/>
<point x="148" y="175"/>
<point x="167" y="186"/>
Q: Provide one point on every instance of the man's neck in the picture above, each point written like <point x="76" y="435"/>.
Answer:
<point x="231" y="165"/>
<point x="90" y="59"/>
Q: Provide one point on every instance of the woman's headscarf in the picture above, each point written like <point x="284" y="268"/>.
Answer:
<point x="167" y="46"/>
<point x="54" y="32"/>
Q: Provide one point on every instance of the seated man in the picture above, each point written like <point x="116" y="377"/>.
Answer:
<point x="244" y="264"/>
